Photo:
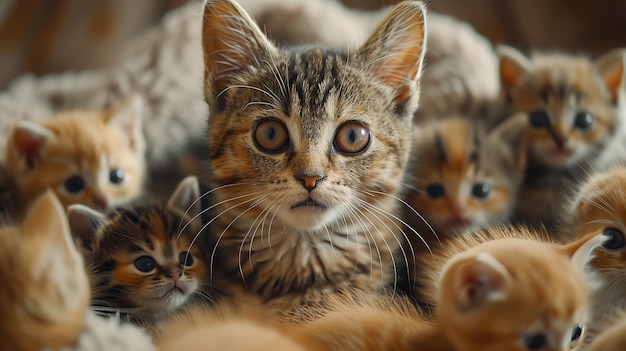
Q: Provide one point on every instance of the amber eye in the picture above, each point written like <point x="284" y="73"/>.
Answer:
<point x="352" y="138"/>
<point x="271" y="136"/>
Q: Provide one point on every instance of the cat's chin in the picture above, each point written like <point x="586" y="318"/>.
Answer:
<point x="309" y="218"/>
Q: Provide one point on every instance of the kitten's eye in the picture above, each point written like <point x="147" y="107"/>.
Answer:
<point x="535" y="341"/>
<point x="185" y="259"/>
<point x="145" y="264"/>
<point x="584" y="120"/>
<point x="436" y="191"/>
<point x="481" y="191"/>
<point x="539" y="119"/>
<point x="615" y="239"/>
<point x="116" y="176"/>
<point x="577" y="332"/>
<point x="74" y="184"/>
<point x="271" y="136"/>
<point x="352" y="138"/>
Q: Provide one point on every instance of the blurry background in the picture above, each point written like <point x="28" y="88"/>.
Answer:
<point x="41" y="36"/>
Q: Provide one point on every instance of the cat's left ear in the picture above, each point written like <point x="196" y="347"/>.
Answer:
<point x="28" y="140"/>
<point x="128" y="116"/>
<point x="185" y="200"/>
<point x="394" y="53"/>
<point x="480" y="280"/>
<point x="512" y="133"/>
<point x="611" y="69"/>
<point x="85" y="224"/>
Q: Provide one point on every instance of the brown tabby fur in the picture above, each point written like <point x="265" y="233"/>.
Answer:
<point x="613" y="338"/>
<point x="293" y="224"/>
<point x="46" y="293"/>
<point x="562" y="86"/>
<point x="88" y="144"/>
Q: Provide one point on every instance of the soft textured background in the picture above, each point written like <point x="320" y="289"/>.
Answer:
<point x="51" y="36"/>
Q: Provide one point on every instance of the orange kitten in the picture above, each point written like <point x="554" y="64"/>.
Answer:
<point x="573" y="107"/>
<point x="85" y="157"/>
<point x="46" y="292"/>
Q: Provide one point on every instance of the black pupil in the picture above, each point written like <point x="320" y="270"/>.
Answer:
<point x="145" y="264"/>
<point x="186" y="259"/>
<point x="615" y="239"/>
<point x="535" y="341"/>
<point x="435" y="191"/>
<point x="481" y="191"/>
<point x="583" y="120"/>
<point x="352" y="136"/>
<point x="539" y="119"/>
<point x="116" y="176"/>
<point x="577" y="332"/>
<point x="74" y="184"/>
<point x="270" y="133"/>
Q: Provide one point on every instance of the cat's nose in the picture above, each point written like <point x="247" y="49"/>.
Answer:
<point x="101" y="202"/>
<point x="309" y="182"/>
<point x="174" y="276"/>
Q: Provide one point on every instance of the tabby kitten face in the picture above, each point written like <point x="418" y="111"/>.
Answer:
<point x="141" y="260"/>
<point x="464" y="178"/>
<point x="571" y="102"/>
<point x="90" y="158"/>
<point x="308" y="145"/>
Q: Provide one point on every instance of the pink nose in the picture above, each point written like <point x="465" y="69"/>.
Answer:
<point x="174" y="276"/>
<point x="100" y="202"/>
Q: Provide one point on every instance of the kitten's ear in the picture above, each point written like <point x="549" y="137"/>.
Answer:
<point x="186" y="198"/>
<point x="46" y="219"/>
<point x="231" y="43"/>
<point x="85" y="224"/>
<point x="28" y="140"/>
<point x="513" y="66"/>
<point x="480" y="280"/>
<point x="128" y="116"/>
<point x="611" y="69"/>
<point x="394" y="53"/>
<point x="512" y="133"/>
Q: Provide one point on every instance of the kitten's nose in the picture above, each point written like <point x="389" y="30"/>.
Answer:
<point x="100" y="202"/>
<point x="174" y="276"/>
<point x="309" y="182"/>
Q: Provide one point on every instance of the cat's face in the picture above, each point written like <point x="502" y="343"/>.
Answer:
<point x="46" y="291"/>
<point x="570" y="101"/>
<point x="141" y="260"/>
<point x="465" y="178"/>
<point x="309" y="138"/>
<point x="89" y="158"/>
<point x="512" y="294"/>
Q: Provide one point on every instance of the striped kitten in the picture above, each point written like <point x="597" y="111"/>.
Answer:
<point x="92" y="158"/>
<point x="307" y="150"/>
<point x="573" y="109"/>
<point x="142" y="261"/>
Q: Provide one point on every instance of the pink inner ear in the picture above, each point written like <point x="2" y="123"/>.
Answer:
<point x="509" y="74"/>
<point x="478" y="281"/>
<point x="29" y="147"/>
<point x="614" y="80"/>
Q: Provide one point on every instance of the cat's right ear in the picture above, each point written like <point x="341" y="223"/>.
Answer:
<point x="185" y="200"/>
<point x="231" y="43"/>
<point x="85" y="224"/>
<point x="28" y="140"/>
<point x="513" y="67"/>
<point x="480" y="280"/>
<point x="512" y="133"/>
<point x="128" y="116"/>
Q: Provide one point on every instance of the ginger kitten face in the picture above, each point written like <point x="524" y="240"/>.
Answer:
<point x="90" y="158"/>
<point x="465" y="178"/>
<point x="141" y="261"/>
<point x="512" y="294"/>
<point x="571" y="102"/>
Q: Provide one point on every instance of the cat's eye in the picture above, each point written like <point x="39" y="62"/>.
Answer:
<point x="435" y="191"/>
<point x="539" y="119"/>
<point x="271" y="136"/>
<point x="352" y="138"/>
<point x="145" y="264"/>
<point x="535" y="341"/>
<point x="185" y="259"/>
<point x="584" y="120"/>
<point x="481" y="191"/>
<point x="614" y="240"/>
<point x="116" y="176"/>
<point x="577" y="332"/>
<point x="74" y="184"/>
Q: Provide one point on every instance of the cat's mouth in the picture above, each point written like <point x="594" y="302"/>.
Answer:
<point x="309" y="203"/>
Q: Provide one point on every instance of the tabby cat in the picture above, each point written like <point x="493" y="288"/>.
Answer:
<point x="307" y="150"/>
<point x="85" y="157"/>
<point x="463" y="177"/>
<point x="573" y="109"/>
<point x="46" y="292"/>
<point x="611" y="339"/>
<point x="142" y="261"/>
